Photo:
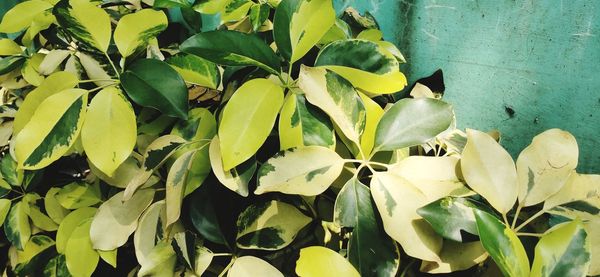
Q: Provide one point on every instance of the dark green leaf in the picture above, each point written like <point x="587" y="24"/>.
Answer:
<point x="258" y="15"/>
<point x="204" y="215"/>
<point x="370" y="249"/>
<point x="232" y="48"/>
<point x="281" y="26"/>
<point x="450" y="217"/>
<point x="153" y="83"/>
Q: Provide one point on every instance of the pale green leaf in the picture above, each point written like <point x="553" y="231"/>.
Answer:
<point x="40" y="220"/>
<point x="54" y="209"/>
<point x="175" y="185"/>
<point x="308" y="24"/>
<point x="489" y="170"/>
<point x="160" y="261"/>
<point x="110" y="257"/>
<point x="302" y="124"/>
<point x="9" y="48"/>
<point x="243" y="127"/>
<point x="144" y="238"/>
<point x="545" y="165"/>
<point x="196" y="70"/>
<point x="53" y="60"/>
<point x="34" y="246"/>
<point x="289" y="172"/>
<point x="249" y="266"/>
<point x="269" y="225"/>
<point x="397" y="201"/>
<point x="236" y="179"/>
<point x="316" y="260"/>
<point x="456" y="256"/>
<point x="31" y="68"/>
<point x="4" y="208"/>
<point x="116" y="219"/>
<point x="374" y="114"/>
<point x="134" y="30"/>
<point x="81" y="257"/>
<point x="77" y="195"/>
<point x="109" y="131"/>
<point x="69" y="223"/>
<point x="21" y="15"/>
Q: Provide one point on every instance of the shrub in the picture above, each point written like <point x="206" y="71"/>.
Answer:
<point x="270" y="146"/>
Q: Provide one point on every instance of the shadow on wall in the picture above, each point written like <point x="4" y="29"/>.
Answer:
<point x="518" y="66"/>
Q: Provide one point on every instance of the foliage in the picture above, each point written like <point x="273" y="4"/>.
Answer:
<point x="136" y="140"/>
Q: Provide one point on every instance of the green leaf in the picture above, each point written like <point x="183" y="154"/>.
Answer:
<point x="69" y="223"/>
<point x="116" y="219"/>
<point x="370" y="249"/>
<point x="110" y="257"/>
<point x="41" y="22"/>
<point x="210" y="7"/>
<point x="8" y="47"/>
<point x="365" y="64"/>
<point x="238" y="178"/>
<point x="52" y="129"/>
<point x="269" y="225"/>
<point x="374" y="114"/>
<point x="204" y="216"/>
<point x="289" y="172"/>
<point x="244" y="128"/>
<point x="315" y="260"/>
<point x="450" y="217"/>
<point x="503" y="245"/>
<point x="84" y="21"/>
<point x="135" y="29"/>
<point x="563" y="251"/>
<point x="80" y="256"/>
<point x="248" y="266"/>
<point x="411" y="122"/>
<point x="545" y="165"/>
<point x="54" y="209"/>
<point x="580" y="190"/>
<point x="96" y="68"/>
<point x="201" y="125"/>
<point x="30" y="70"/>
<point x="127" y="171"/>
<point x="39" y="219"/>
<point x="160" y="262"/>
<point x="397" y="201"/>
<point x="78" y="195"/>
<point x="489" y="170"/>
<point x="145" y="236"/>
<point x="456" y="256"/>
<point x="9" y="64"/>
<point x="35" y="255"/>
<point x="109" y="132"/>
<point x="232" y="48"/>
<point x="302" y="124"/>
<point x="53" y="60"/>
<point x="196" y="70"/>
<point x="21" y="15"/>
<point x="16" y="225"/>
<point x="53" y="84"/>
<point x="4" y="208"/>
<point x="153" y="83"/>
<point x="299" y="25"/>
<point x="336" y="97"/>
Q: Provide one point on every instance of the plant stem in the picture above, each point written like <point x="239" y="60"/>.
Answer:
<point x="97" y="80"/>
<point x="113" y="65"/>
<point x="379" y="164"/>
<point x="227" y="267"/>
<point x="538" y="214"/>
<point x="519" y="207"/>
<point x="529" y="235"/>
<point x="222" y="254"/>
<point x="101" y="87"/>
<point x="505" y="220"/>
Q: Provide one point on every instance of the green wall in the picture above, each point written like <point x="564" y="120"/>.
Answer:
<point x="541" y="58"/>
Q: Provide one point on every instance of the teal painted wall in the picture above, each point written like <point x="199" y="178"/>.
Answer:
<point x="542" y="58"/>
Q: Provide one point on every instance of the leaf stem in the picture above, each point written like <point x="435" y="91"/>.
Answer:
<point x="222" y="254"/>
<point x="538" y="214"/>
<point x="113" y="65"/>
<point x="227" y="267"/>
<point x="530" y="235"/>
<point x="505" y="220"/>
<point x="98" y="80"/>
<point x="514" y="222"/>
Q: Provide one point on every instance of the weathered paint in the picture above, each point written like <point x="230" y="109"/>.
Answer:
<point x="540" y="59"/>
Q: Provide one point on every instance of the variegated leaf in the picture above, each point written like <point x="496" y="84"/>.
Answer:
<point x="236" y="179"/>
<point x="84" y="21"/>
<point x="269" y="225"/>
<point x="302" y="124"/>
<point x="289" y="172"/>
<point x="135" y="30"/>
<point x="52" y="129"/>
<point x="336" y="97"/>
